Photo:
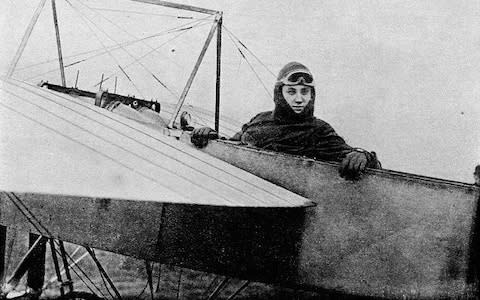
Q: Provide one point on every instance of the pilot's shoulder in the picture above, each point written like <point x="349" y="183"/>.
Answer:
<point x="263" y="116"/>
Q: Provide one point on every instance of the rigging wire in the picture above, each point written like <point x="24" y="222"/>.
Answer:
<point x="130" y="34"/>
<point x="157" y="139"/>
<point x="253" y="54"/>
<point x="114" y="47"/>
<point x="249" y="64"/>
<point x="143" y="291"/>
<point x="141" y="57"/>
<point x="143" y="13"/>
<point x="83" y="17"/>
<point x="48" y="234"/>
<point x="166" y="87"/>
<point x="182" y="31"/>
<point x="124" y="49"/>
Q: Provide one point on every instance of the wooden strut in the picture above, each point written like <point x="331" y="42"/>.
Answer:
<point x="179" y="6"/>
<point x="101" y="82"/>
<point x="159" y="277"/>
<point x="25" y="38"/>
<point x="104" y="273"/>
<point x="76" y="79"/>
<point x="194" y="72"/>
<point x="57" y="266"/>
<point x="148" y="268"/>
<point x="25" y="263"/>
<point x="179" y="283"/>
<point x="59" y="45"/>
<point x="66" y="268"/>
<point x="219" y="69"/>
<point x="3" y="244"/>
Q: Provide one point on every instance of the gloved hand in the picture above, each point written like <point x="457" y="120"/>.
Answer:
<point x="353" y="165"/>
<point x="201" y="136"/>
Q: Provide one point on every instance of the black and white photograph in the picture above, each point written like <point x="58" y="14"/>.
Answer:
<point x="275" y="149"/>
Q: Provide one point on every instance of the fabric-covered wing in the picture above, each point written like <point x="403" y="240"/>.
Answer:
<point x="51" y="143"/>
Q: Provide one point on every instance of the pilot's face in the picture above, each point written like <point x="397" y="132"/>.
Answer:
<point x="297" y="96"/>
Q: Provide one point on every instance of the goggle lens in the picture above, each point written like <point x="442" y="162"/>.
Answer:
<point x="298" y="78"/>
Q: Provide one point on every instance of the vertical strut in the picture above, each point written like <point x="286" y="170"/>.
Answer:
<point x="194" y="72"/>
<point x="179" y="283"/>
<point x="57" y="266"/>
<point x="101" y="82"/>
<point x="66" y="266"/>
<point x="36" y="267"/>
<point x="59" y="46"/>
<point x="76" y="79"/>
<point x="219" y="69"/>
<point x="3" y="247"/>
<point x="149" y="275"/>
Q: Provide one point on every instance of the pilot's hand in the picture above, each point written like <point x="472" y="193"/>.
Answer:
<point x="200" y="136"/>
<point x="353" y="165"/>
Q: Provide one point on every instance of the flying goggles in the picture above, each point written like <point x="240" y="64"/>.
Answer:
<point x="298" y="77"/>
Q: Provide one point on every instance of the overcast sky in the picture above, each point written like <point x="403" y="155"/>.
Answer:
<point x="398" y="77"/>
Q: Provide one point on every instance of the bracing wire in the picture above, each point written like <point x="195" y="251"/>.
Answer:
<point x="143" y="291"/>
<point x="84" y="18"/>
<point x="122" y="29"/>
<point x="156" y="139"/>
<point x="181" y="30"/>
<point x="166" y="87"/>
<point x="124" y="49"/>
<point x="114" y="48"/>
<point x="128" y="33"/>
<point x="143" y="13"/>
<point x="127" y="43"/>
<point x="249" y="64"/>
<point x="246" y="48"/>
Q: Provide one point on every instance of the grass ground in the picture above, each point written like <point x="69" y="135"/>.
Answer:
<point x="169" y="282"/>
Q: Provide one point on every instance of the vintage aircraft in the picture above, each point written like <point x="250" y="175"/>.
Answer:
<point x="77" y="172"/>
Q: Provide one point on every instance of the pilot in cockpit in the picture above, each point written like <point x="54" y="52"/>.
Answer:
<point x="292" y="128"/>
